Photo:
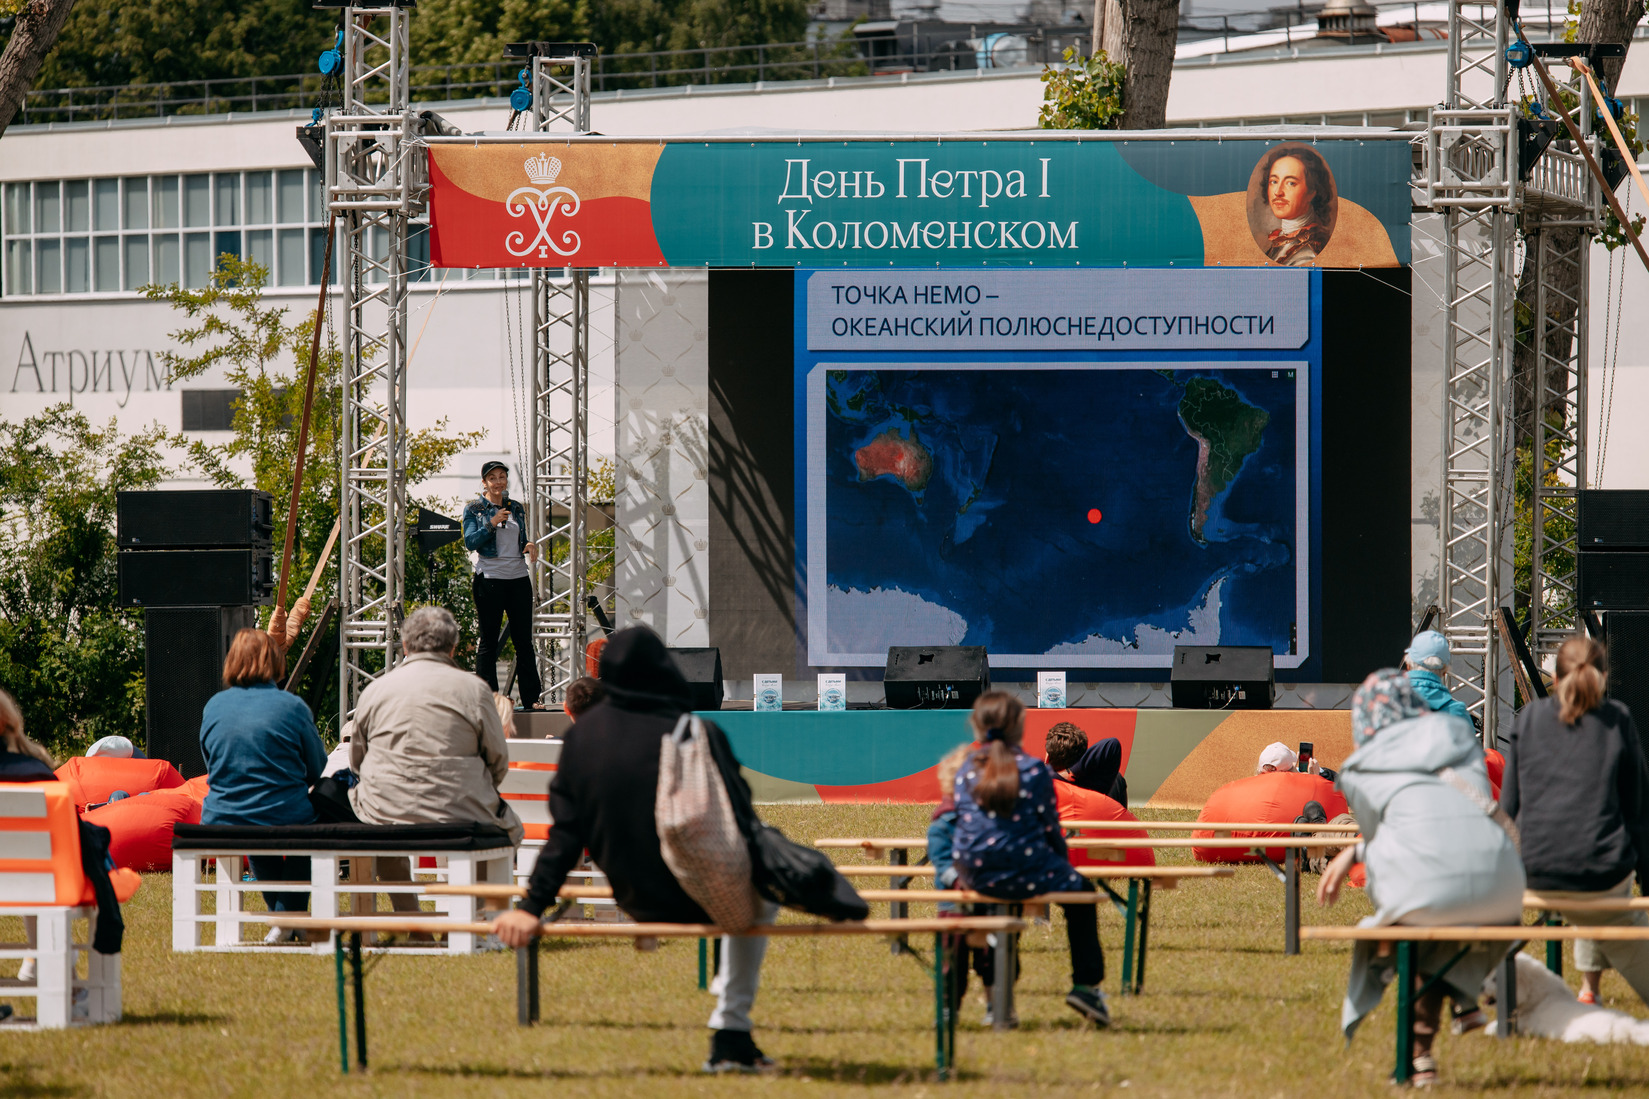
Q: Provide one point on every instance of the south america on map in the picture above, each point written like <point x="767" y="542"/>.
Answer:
<point x="1089" y="516"/>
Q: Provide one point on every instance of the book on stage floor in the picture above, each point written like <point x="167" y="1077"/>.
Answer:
<point x="769" y="693"/>
<point x="1050" y="690"/>
<point x="833" y="691"/>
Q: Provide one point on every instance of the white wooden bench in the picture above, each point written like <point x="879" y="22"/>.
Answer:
<point x="464" y="853"/>
<point x="645" y="935"/>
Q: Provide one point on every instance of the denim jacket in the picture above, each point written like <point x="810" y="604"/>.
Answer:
<point x="479" y="533"/>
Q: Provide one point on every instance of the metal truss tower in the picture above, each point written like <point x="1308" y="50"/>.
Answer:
<point x="559" y="458"/>
<point x="1473" y="178"/>
<point x="373" y="179"/>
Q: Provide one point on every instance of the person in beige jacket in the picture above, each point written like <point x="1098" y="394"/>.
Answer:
<point x="428" y="744"/>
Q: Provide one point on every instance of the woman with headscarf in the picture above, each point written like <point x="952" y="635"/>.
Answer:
<point x="1008" y="842"/>
<point x="1436" y="850"/>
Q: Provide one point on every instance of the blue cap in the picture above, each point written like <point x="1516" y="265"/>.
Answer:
<point x="1429" y="650"/>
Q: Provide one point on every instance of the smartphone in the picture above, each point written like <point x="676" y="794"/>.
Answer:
<point x="1306" y="748"/>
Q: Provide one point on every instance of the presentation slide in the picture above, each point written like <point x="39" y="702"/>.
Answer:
<point x="1083" y="488"/>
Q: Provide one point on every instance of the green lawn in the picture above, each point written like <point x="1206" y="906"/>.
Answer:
<point x="1224" y="1013"/>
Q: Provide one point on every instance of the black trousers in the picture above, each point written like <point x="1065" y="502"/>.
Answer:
<point x="494" y="600"/>
<point x="1082" y="933"/>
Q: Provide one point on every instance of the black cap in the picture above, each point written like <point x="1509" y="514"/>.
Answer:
<point x="488" y="467"/>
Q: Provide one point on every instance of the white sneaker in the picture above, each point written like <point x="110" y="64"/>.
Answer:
<point x="27" y="971"/>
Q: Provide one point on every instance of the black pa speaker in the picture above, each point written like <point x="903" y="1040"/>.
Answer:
<point x="702" y="670"/>
<point x="218" y="518"/>
<point x="183" y="654"/>
<point x="1614" y="519"/>
<point x="936" y="677"/>
<point x="196" y="578"/>
<point x="1223" y="677"/>
<point x="1626" y="636"/>
<point x="1616" y="580"/>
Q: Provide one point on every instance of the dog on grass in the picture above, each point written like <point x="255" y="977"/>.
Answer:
<point x="1547" y="1008"/>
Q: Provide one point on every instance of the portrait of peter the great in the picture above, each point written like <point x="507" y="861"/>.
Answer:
<point x="1292" y="204"/>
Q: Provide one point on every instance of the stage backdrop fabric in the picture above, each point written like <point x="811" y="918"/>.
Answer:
<point x="998" y="200"/>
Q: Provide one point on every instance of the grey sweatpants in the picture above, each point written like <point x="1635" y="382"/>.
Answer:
<point x="740" y="974"/>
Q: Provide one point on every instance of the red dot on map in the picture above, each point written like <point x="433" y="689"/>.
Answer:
<point x="1094" y="516"/>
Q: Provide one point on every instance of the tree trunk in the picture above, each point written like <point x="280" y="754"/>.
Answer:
<point x="1145" y="32"/>
<point x="1608" y="21"/>
<point x="32" y="38"/>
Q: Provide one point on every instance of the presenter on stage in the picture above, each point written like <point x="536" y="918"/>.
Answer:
<point x="495" y="527"/>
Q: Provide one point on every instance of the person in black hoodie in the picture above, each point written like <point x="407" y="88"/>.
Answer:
<point x="1577" y="786"/>
<point x="602" y="800"/>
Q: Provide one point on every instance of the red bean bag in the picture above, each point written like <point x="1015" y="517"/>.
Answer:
<point x="1496" y="764"/>
<point x="92" y="779"/>
<point x="196" y="788"/>
<point x="1076" y="803"/>
<point x="140" y="827"/>
<point x="1278" y="796"/>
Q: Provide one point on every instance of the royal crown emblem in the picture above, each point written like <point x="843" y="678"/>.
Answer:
<point x="542" y="169"/>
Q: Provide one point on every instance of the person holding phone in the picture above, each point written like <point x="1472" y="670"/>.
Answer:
<point x="495" y="528"/>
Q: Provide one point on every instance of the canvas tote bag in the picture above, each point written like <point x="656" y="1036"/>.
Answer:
<point x="698" y="834"/>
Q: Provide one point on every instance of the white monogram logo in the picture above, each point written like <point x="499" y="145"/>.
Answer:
<point x="544" y="201"/>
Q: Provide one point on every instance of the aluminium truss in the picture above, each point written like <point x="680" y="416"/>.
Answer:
<point x="374" y="189"/>
<point x="559" y="456"/>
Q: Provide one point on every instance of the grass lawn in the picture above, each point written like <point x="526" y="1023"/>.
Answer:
<point x="1223" y="1013"/>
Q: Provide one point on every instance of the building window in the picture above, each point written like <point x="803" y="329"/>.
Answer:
<point x="209" y="409"/>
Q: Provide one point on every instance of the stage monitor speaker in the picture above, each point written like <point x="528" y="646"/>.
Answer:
<point x="1614" y="519"/>
<point x="702" y="669"/>
<point x="183" y="653"/>
<point x="218" y="518"/>
<point x="1223" y="677"/>
<point x="1614" y="580"/>
<point x="935" y="677"/>
<point x="196" y="578"/>
<point x="1626" y="636"/>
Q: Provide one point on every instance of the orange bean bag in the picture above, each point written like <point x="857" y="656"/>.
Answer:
<point x="92" y="779"/>
<point x="1496" y="764"/>
<point x="196" y="788"/>
<point x="1276" y="796"/>
<point x="1077" y="803"/>
<point x="140" y="827"/>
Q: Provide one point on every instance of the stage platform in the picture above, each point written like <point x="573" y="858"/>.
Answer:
<point x="1172" y="758"/>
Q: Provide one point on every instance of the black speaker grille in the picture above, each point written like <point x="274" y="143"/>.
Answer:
<point x="1626" y="636"/>
<point x="1614" y="581"/>
<point x="1614" y="518"/>
<point x="935" y="677"/>
<point x="200" y="518"/>
<point x="702" y="669"/>
<point x="183" y="657"/>
<point x="193" y="578"/>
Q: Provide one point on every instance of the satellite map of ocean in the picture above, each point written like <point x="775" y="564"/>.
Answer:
<point x="1091" y="517"/>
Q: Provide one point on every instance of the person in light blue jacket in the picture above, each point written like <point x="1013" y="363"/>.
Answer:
<point x="1426" y="661"/>
<point x="1434" y="850"/>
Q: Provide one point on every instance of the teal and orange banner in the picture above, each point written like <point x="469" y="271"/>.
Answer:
<point x="1000" y="201"/>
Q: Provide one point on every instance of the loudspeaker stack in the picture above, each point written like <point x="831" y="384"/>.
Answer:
<point x="198" y="564"/>
<point x="1614" y="578"/>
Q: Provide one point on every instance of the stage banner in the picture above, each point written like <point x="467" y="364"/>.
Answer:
<point x="996" y="201"/>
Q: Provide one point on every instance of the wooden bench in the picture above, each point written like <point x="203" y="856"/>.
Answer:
<point x="464" y="853"/>
<point x="1405" y="939"/>
<point x="645" y="936"/>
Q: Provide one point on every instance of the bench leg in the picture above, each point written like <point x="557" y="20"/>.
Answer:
<point x="899" y="910"/>
<point x="1554" y="948"/>
<point x="704" y="964"/>
<point x="1129" y="918"/>
<point x="1144" y="935"/>
<point x="186" y="894"/>
<point x="1505" y="1011"/>
<point x="1291" y="901"/>
<point x="1405" y="1013"/>
<point x="1002" y="990"/>
<point x="943" y="1034"/>
<point x="343" y="1013"/>
<point x="526" y="984"/>
<point x="360" y="997"/>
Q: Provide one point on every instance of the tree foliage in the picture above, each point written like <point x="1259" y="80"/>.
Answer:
<point x="72" y="658"/>
<point x="1086" y="94"/>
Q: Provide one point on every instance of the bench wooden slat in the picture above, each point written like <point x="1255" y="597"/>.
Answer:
<point x="1500" y="934"/>
<point x="1156" y="873"/>
<point x="875" y="896"/>
<point x="1612" y="904"/>
<point x="1266" y="828"/>
<point x="1302" y="842"/>
<point x="663" y="930"/>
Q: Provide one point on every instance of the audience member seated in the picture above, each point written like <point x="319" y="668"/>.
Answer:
<point x="1009" y="844"/>
<point x="22" y="759"/>
<point x="582" y="693"/>
<point x="1426" y="661"/>
<point x="959" y="952"/>
<point x="115" y="747"/>
<point x="262" y="754"/>
<point x="1278" y="756"/>
<point x="1436" y="850"/>
<point x="1576" y="785"/>
<point x="1098" y="768"/>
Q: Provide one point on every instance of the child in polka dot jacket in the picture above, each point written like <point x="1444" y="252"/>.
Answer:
<point x="1008" y="842"/>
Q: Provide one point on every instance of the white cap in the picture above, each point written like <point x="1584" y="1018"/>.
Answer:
<point x="1279" y="756"/>
<point x="115" y="747"/>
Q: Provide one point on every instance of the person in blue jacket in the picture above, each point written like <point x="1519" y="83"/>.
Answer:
<point x="1426" y="661"/>
<point x="495" y="529"/>
<point x="1008" y="842"/>
<point x="263" y="754"/>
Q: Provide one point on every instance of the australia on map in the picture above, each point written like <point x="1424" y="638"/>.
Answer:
<point x="1084" y="516"/>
